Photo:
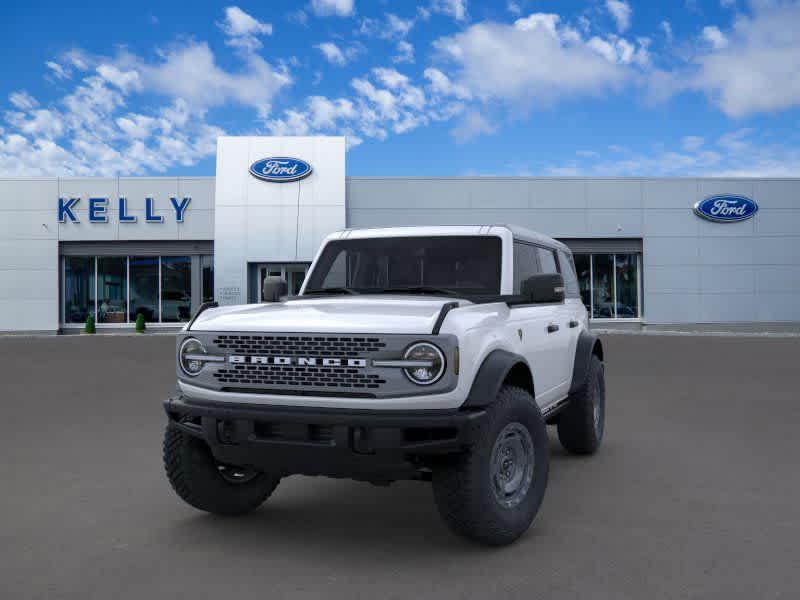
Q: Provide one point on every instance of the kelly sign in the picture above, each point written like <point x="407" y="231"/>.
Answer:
<point x="98" y="210"/>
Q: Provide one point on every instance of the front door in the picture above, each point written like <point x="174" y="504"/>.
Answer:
<point x="293" y="273"/>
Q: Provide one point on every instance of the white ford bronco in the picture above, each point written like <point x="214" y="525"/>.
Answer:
<point x="430" y="353"/>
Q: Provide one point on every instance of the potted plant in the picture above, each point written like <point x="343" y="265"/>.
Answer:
<point x="89" y="327"/>
<point x="140" y="326"/>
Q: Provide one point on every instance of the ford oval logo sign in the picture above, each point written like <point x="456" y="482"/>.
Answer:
<point x="726" y="209"/>
<point x="280" y="169"/>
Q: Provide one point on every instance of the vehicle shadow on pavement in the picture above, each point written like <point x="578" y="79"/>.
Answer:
<point x="342" y="517"/>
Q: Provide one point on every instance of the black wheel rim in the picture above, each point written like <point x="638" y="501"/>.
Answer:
<point x="236" y="475"/>
<point x="512" y="464"/>
<point x="598" y="406"/>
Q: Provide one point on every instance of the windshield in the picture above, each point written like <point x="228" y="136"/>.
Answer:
<point x="445" y="264"/>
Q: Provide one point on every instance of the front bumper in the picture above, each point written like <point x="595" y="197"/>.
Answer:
<point x="358" y="444"/>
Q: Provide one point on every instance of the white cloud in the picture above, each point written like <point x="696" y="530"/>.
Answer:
<point x="537" y="60"/>
<point x="441" y="84"/>
<point x="391" y="27"/>
<point x="298" y="16"/>
<point x="735" y="154"/>
<point x="336" y="55"/>
<point x="398" y="27"/>
<point x="127" y="80"/>
<point x="619" y="50"/>
<point x="514" y="8"/>
<point x="58" y="70"/>
<point x="191" y="72"/>
<point x="22" y="100"/>
<point x="339" y="8"/>
<point x="758" y="70"/>
<point x="91" y="130"/>
<point x="385" y="101"/>
<point x="37" y="123"/>
<point x="621" y="11"/>
<point x="405" y="53"/>
<point x="715" y="37"/>
<point x="453" y="8"/>
<point x="243" y="29"/>
<point x="472" y="124"/>
<point x="666" y="27"/>
<point x="692" y="143"/>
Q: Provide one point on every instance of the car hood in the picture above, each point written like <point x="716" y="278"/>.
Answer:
<point x="339" y="314"/>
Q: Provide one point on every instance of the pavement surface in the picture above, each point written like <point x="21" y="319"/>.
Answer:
<point x="695" y="493"/>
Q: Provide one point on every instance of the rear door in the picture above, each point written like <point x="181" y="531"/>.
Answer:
<point x="577" y="315"/>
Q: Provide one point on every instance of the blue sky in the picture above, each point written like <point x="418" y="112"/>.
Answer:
<point x="439" y="87"/>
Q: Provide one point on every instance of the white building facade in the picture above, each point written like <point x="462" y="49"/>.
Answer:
<point x="115" y="248"/>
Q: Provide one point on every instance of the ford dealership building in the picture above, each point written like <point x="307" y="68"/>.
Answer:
<point x="649" y="252"/>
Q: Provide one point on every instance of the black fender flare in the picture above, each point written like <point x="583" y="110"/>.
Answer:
<point x="490" y="377"/>
<point x="588" y="345"/>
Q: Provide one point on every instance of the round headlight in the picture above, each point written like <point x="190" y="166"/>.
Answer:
<point x="191" y="355"/>
<point x="430" y="363"/>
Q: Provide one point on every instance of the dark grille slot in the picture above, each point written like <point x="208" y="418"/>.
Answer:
<point x="339" y="346"/>
<point x="296" y="432"/>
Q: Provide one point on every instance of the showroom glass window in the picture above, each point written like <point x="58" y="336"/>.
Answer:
<point x="78" y="288"/>
<point x="112" y="289"/>
<point x="610" y="284"/>
<point x="144" y="288"/>
<point x="176" y="289"/>
<point x="115" y="289"/>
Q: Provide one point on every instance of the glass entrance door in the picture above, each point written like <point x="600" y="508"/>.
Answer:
<point x="293" y="273"/>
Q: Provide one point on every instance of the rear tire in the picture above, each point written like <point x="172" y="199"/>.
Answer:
<point x="582" y="423"/>
<point x="492" y="492"/>
<point x="205" y="484"/>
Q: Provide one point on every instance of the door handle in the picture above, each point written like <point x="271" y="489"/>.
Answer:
<point x="573" y="323"/>
<point x="552" y="328"/>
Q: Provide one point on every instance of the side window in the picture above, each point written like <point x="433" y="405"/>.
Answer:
<point x="547" y="260"/>
<point x="525" y="264"/>
<point x="568" y="271"/>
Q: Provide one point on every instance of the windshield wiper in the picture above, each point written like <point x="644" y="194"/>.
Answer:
<point x="417" y="289"/>
<point x="330" y="290"/>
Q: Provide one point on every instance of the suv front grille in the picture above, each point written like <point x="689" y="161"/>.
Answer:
<point x="293" y="345"/>
<point x="294" y="378"/>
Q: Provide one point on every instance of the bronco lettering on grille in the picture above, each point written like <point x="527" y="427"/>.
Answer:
<point x="300" y="361"/>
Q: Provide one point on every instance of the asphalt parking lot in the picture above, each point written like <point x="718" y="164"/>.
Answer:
<point x="695" y="494"/>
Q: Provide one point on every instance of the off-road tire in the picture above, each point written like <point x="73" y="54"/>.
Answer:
<point x="463" y="487"/>
<point x="196" y="478"/>
<point x="578" y="431"/>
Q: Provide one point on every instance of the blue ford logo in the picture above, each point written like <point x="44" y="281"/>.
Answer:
<point x="280" y="169"/>
<point x="726" y="209"/>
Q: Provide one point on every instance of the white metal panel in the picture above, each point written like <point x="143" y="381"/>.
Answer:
<point x="260" y="221"/>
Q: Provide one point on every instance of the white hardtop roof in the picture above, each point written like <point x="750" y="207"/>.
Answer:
<point x="518" y="233"/>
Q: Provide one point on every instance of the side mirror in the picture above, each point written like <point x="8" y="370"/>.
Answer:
<point x="273" y="288"/>
<point x="544" y="288"/>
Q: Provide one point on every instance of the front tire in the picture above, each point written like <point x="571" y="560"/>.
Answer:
<point x="205" y="484"/>
<point x="492" y="492"/>
<point x="582" y="423"/>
